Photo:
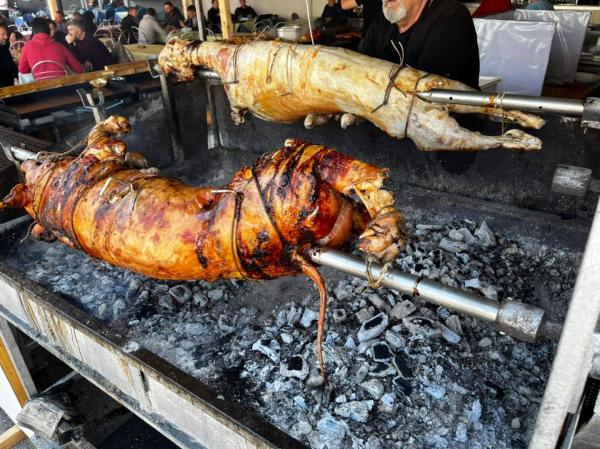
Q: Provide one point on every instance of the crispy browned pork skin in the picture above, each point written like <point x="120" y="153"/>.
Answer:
<point x="284" y="82"/>
<point x="259" y="226"/>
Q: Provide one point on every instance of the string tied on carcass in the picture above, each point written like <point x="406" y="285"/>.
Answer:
<point x="234" y="226"/>
<point x="412" y="102"/>
<point x="394" y="72"/>
<point x="501" y="105"/>
<point x="288" y="63"/>
<point x="415" y="288"/>
<point x="233" y="62"/>
<point x="44" y="156"/>
<point x="271" y="64"/>
<point x="28" y="233"/>
<point x="375" y="283"/>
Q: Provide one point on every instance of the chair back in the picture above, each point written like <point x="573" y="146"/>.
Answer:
<point x="129" y="36"/>
<point x="55" y="70"/>
<point x="16" y="47"/>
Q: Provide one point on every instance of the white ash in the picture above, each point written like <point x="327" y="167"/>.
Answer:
<point x="451" y="381"/>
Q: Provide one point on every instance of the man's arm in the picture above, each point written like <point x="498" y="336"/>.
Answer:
<point x="72" y="46"/>
<point x="72" y="61"/>
<point x="451" y="50"/>
<point x="159" y="31"/>
<point x="23" y="63"/>
<point x="103" y="51"/>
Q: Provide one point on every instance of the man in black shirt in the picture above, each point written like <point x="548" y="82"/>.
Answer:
<point x="8" y="68"/>
<point x="128" y="23"/>
<point x="332" y="14"/>
<point x="371" y="9"/>
<point x="56" y="34"/>
<point x="243" y="11"/>
<point x="214" y="17"/>
<point x="173" y="17"/>
<point x="437" y="36"/>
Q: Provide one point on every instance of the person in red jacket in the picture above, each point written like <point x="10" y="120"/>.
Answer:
<point x="43" y="48"/>
<point x="491" y="7"/>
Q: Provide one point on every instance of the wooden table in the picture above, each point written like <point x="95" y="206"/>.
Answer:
<point x="140" y="52"/>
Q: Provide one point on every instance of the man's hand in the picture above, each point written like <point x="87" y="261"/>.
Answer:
<point x="70" y="39"/>
<point x="88" y="66"/>
<point x="348" y="4"/>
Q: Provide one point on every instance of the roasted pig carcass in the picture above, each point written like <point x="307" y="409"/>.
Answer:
<point x="259" y="226"/>
<point x="284" y="82"/>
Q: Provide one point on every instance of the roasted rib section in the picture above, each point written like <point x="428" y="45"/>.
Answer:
<point x="284" y="83"/>
<point x="259" y="226"/>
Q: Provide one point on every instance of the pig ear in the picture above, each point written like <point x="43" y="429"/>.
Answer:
<point x="19" y="196"/>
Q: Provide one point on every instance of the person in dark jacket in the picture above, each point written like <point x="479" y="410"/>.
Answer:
<point x="214" y="17"/>
<point x="332" y="13"/>
<point x="173" y="17"/>
<point x="59" y="19"/>
<point x="8" y="68"/>
<point x="129" y="22"/>
<point x="243" y="12"/>
<point x="87" y="49"/>
<point x="436" y="36"/>
<point x="56" y="34"/>
<point x="89" y="22"/>
<point x="191" y="20"/>
<point x="370" y="10"/>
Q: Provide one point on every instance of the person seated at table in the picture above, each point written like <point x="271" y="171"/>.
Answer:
<point x="87" y="49"/>
<point x="491" y="7"/>
<point x="191" y="20"/>
<point x="42" y="47"/>
<point x="61" y="22"/>
<point x="110" y="10"/>
<point x="15" y="36"/>
<point x="89" y="23"/>
<point x="56" y="34"/>
<point x="332" y="13"/>
<point x="150" y="31"/>
<point x="8" y="68"/>
<point x="173" y="17"/>
<point x="244" y="12"/>
<point x="214" y="17"/>
<point x="129" y="22"/>
<point x="370" y="10"/>
<point x="541" y="5"/>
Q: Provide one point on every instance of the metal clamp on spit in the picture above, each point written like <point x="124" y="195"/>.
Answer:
<point x="588" y="110"/>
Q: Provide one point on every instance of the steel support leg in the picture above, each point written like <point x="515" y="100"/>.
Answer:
<point x="172" y="119"/>
<point x="574" y="348"/>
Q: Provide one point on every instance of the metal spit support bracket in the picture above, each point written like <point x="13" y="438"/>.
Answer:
<point x="591" y="113"/>
<point x="153" y="67"/>
<point x="88" y="103"/>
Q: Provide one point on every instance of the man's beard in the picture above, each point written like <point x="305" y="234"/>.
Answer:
<point x="394" y="14"/>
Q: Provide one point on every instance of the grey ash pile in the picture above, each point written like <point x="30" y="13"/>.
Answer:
<point x="402" y="373"/>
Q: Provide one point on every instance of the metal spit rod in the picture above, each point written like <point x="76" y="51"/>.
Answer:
<point x="519" y="320"/>
<point x="505" y="101"/>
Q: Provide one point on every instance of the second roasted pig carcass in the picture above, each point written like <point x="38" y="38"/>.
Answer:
<point x="284" y="82"/>
<point x="259" y="226"/>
